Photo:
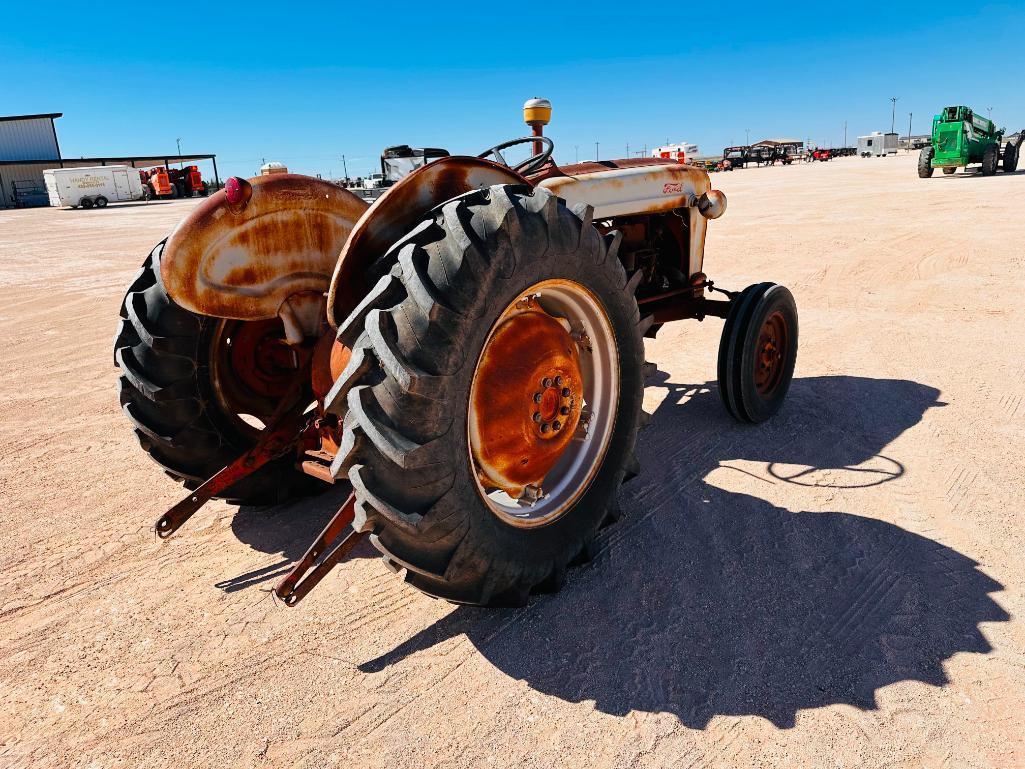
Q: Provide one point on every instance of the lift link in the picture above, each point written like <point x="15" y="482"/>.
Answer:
<point x="290" y="589"/>
<point x="283" y="432"/>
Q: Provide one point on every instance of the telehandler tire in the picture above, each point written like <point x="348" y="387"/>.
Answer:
<point x="1011" y="157"/>
<point x="462" y="387"/>
<point x="990" y="158"/>
<point x="165" y="389"/>
<point x="757" y="352"/>
<point x="925" y="169"/>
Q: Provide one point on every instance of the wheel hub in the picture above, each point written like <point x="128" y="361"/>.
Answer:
<point x="543" y="402"/>
<point x="527" y="391"/>
<point x="770" y="353"/>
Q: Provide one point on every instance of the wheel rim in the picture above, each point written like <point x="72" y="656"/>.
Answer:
<point x="771" y="353"/>
<point x="543" y="403"/>
<point x="251" y="369"/>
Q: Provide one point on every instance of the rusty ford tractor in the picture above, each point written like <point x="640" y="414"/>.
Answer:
<point x="466" y="354"/>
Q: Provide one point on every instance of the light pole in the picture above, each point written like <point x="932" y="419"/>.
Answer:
<point x="845" y="133"/>
<point x="893" y="115"/>
<point x="910" y="114"/>
<point x="596" y="152"/>
<point x="345" y="168"/>
<point x="179" y="143"/>
<point x="990" y="111"/>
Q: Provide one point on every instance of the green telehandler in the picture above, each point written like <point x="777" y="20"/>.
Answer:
<point x="960" y="137"/>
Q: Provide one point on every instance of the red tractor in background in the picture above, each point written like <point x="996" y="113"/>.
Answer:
<point x="187" y="181"/>
<point x="173" y="183"/>
<point x="820" y="154"/>
<point x="157" y="183"/>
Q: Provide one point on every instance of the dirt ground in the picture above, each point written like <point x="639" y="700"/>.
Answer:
<point x="839" y="587"/>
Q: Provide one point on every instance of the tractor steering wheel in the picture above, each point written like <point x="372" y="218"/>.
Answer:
<point x="531" y="164"/>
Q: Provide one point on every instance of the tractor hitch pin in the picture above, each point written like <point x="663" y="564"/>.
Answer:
<point x="290" y="589"/>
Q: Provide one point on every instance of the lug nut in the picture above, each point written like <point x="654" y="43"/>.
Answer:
<point x="546" y="382"/>
<point x="556" y="425"/>
<point x="545" y="427"/>
<point x="537" y="397"/>
<point x="558" y="381"/>
<point x="565" y="392"/>
<point x="564" y="410"/>
<point x="537" y="416"/>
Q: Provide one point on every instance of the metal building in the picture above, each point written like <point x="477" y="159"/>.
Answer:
<point x="30" y="138"/>
<point x="28" y="146"/>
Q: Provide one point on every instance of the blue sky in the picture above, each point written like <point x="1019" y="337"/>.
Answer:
<point x="305" y="84"/>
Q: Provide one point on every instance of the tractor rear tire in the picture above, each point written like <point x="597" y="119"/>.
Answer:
<point x="163" y="353"/>
<point x="949" y="170"/>
<point x="990" y="158"/>
<point x="758" y="352"/>
<point x="418" y="344"/>
<point x="1011" y="157"/>
<point x="925" y="169"/>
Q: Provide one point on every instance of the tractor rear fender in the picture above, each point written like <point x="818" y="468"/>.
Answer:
<point x="395" y="213"/>
<point x="268" y="250"/>
<point x="628" y="188"/>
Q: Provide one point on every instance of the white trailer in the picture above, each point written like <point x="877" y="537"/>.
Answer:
<point x="681" y="152"/>
<point x="878" y="144"/>
<point x="96" y="186"/>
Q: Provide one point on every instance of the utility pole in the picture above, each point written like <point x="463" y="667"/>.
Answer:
<point x="909" y="130"/>
<point x="990" y="111"/>
<point x="596" y="152"/>
<point x="179" y="143"/>
<point x="893" y="115"/>
<point x="345" y="168"/>
<point x="628" y="149"/>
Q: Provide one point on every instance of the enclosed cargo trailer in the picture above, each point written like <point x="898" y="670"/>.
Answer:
<point x="96" y="186"/>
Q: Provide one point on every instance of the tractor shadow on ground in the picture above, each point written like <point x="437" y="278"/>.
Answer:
<point x="704" y="602"/>
<point x="287" y="529"/>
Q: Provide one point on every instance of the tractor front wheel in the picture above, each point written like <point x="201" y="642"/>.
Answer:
<point x="197" y="389"/>
<point x="990" y="158"/>
<point x="757" y="352"/>
<point x="925" y="168"/>
<point x="493" y="396"/>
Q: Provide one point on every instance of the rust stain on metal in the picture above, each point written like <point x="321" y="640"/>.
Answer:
<point x="396" y="212"/>
<point x="244" y="262"/>
<point x="329" y="360"/>
<point x="527" y="393"/>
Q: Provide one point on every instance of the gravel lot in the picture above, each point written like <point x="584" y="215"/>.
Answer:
<point x="840" y="587"/>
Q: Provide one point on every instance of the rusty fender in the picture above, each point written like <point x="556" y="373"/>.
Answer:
<point x="279" y="238"/>
<point x="395" y="213"/>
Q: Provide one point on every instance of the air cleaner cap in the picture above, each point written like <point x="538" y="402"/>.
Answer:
<point x="537" y="111"/>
